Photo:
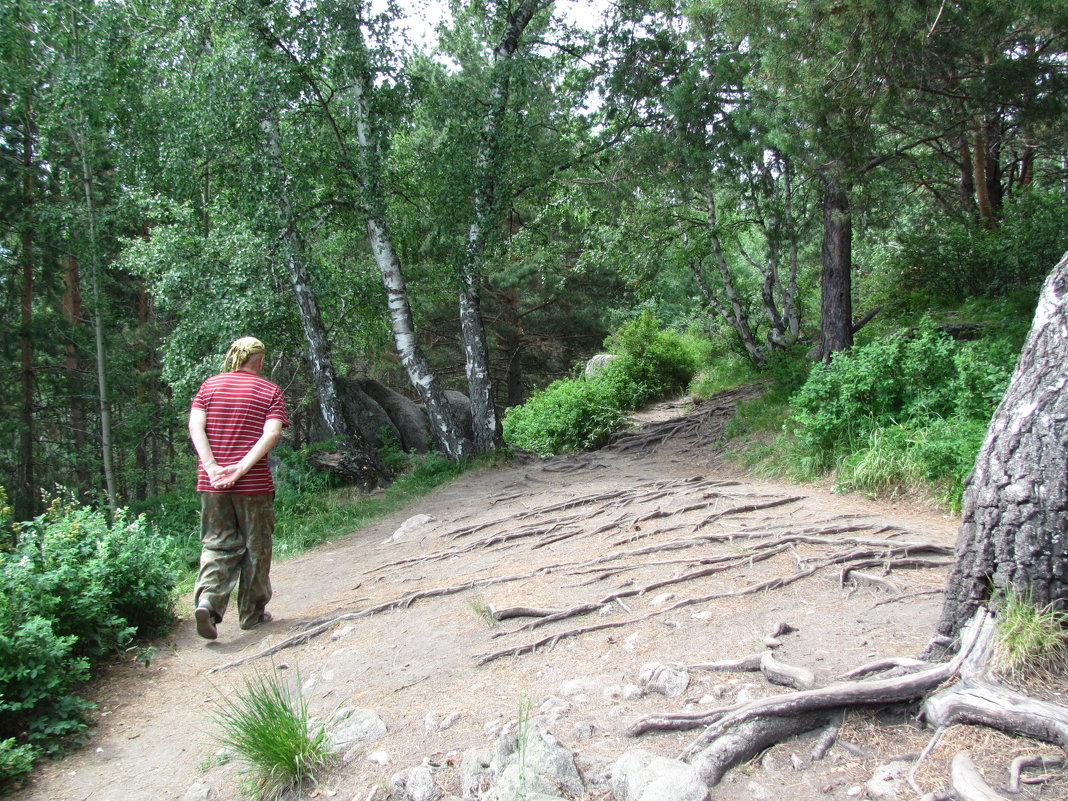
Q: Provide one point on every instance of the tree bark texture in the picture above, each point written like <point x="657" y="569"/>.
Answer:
<point x="1014" y="528"/>
<point x="836" y="303"/>
<point x="443" y="422"/>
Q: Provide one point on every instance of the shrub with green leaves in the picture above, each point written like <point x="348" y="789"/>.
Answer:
<point x="73" y="588"/>
<point x="578" y="413"/>
<point x="954" y="261"/>
<point x="910" y="409"/>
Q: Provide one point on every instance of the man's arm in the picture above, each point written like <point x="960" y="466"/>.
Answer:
<point x="198" y="421"/>
<point x="272" y="430"/>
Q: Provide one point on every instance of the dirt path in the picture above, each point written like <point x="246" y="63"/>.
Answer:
<point x="549" y="534"/>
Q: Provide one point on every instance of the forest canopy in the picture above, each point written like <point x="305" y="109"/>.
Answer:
<point x="478" y="211"/>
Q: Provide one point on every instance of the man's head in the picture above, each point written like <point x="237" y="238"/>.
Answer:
<point x="241" y="352"/>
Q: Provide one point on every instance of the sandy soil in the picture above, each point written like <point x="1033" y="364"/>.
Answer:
<point x="551" y="534"/>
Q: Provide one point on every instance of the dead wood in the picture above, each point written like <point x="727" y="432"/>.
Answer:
<point x="968" y="784"/>
<point x="1022" y="763"/>
<point x="750" y="738"/>
<point x="785" y="675"/>
<point x="836" y="696"/>
<point x="884" y="665"/>
<point x="519" y="611"/>
<point x="747" y="664"/>
<point x="985" y="703"/>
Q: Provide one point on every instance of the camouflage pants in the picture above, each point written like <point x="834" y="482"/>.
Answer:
<point x="236" y="534"/>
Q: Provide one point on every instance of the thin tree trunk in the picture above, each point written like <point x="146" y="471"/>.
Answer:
<point x="1014" y="527"/>
<point x="982" y="188"/>
<point x="485" y="423"/>
<point x="72" y="313"/>
<point x="320" y="359"/>
<point x="736" y="315"/>
<point x="836" y="303"/>
<point x="443" y="422"/>
<point x="27" y="499"/>
<point x="106" y="433"/>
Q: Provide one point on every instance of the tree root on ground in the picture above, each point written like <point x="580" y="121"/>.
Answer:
<point x="735" y="733"/>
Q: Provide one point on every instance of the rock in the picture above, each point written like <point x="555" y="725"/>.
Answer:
<point x="632" y="692"/>
<point x="415" y="784"/>
<point x="414" y="528"/>
<point x="630" y="642"/>
<point x="532" y="761"/>
<point x="662" y="599"/>
<point x="553" y="708"/>
<point x="378" y="758"/>
<point x="475" y="773"/>
<point x="639" y="775"/>
<point x="583" y="730"/>
<point x="579" y="687"/>
<point x="406" y="415"/>
<point x="598" y="363"/>
<point x="889" y="782"/>
<point x="353" y="726"/>
<point x="669" y="680"/>
<point x="343" y="632"/>
<point x="199" y="791"/>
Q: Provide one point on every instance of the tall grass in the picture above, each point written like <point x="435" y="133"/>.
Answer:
<point x="265" y="724"/>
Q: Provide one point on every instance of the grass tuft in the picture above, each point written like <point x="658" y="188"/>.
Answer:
<point x="266" y="726"/>
<point x="1030" y="638"/>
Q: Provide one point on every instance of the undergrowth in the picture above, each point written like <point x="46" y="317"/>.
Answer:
<point x="1029" y="638"/>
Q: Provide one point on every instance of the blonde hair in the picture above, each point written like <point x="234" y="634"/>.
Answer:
<point x="241" y="350"/>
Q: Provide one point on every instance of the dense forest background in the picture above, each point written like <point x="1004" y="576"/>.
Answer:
<point x="481" y="213"/>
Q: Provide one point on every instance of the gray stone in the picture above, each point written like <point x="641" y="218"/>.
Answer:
<point x="475" y="773"/>
<point x="639" y="775"/>
<point x="405" y="414"/>
<point x="888" y="782"/>
<point x="598" y="363"/>
<point x="416" y="784"/>
<point x="199" y="791"/>
<point x="354" y="725"/>
<point x="532" y="762"/>
<point x="669" y="680"/>
<point x="414" y="528"/>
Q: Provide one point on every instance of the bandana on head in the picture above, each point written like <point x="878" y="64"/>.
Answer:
<point x="240" y="351"/>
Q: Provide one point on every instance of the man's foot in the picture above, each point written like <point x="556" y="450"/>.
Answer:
<point x="205" y="623"/>
<point x="262" y="617"/>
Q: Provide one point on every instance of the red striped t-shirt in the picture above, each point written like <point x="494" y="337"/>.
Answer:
<point x="237" y="404"/>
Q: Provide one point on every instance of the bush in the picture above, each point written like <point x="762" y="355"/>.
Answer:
<point x="72" y="589"/>
<point x="904" y="410"/>
<point x="570" y="414"/>
<point x="897" y="378"/>
<point x="578" y="413"/>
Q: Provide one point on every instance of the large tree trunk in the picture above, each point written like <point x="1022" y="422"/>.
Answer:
<point x="836" y="302"/>
<point x="1014" y="531"/>
<point x="72" y="314"/>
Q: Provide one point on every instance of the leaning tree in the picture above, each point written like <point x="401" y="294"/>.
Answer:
<point x="1014" y="527"/>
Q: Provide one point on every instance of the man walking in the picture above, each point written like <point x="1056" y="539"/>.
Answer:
<point x="235" y="419"/>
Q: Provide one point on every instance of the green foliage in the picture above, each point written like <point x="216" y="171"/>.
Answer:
<point x="903" y="410"/>
<point x="72" y="589"/>
<point x="16" y="761"/>
<point x="266" y="725"/>
<point x="950" y="261"/>
<point x="570" y="414"/>
<point x="1029" y="637"/>
<point x="320" y="512"/>
<point x="578" y="413"/>
<point x="655" y="361"/>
